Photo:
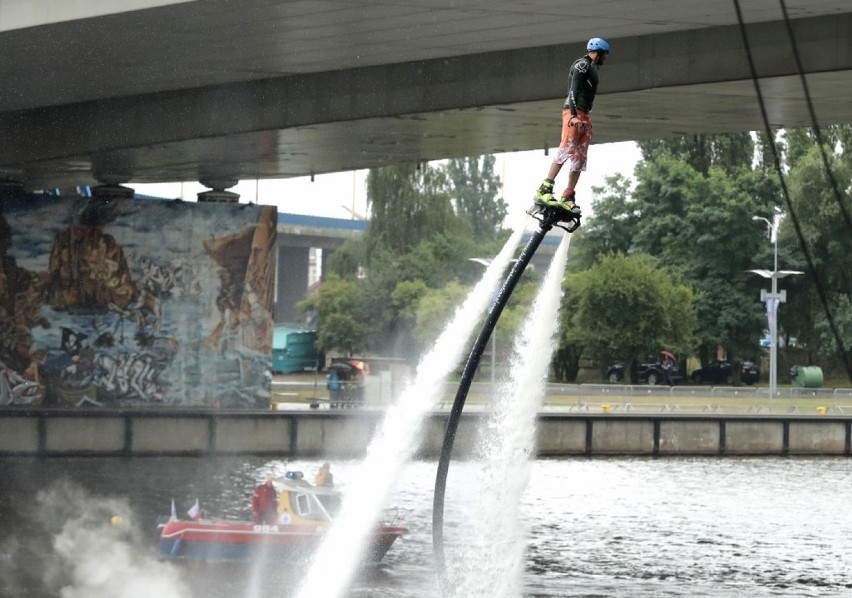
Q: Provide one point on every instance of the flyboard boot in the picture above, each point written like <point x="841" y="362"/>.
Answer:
<point x="546" y="206"/>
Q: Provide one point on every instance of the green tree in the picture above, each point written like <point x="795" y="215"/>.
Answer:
<point x="823" y="341"/>
<point x="435" y="309"/>
<point x="408" y="204"/>
<point x="516" y="312"/>
<point x="665" y="189"/>
<point x="764" y="152"/>
<point x="797" y="143"/>
<point x="701" y="225"/>
<point x="628" y="306"/>
<point x="836" y="139"/>
<point x="613" y="225"/>
<point x="830" y="246"/>
<point x="692" y="209"/>
<point x="347" y="260"/>
<point x="339" y="304"/>
<point x="566" y="360"/>
<point x="438" y="306"/>
<point x="702" y="152"/>
<point x="413" y="238"/>
<point x="475" y="188"/>
<point x="723" y="240"/>
<point x="417" y="236"/>
<point x="436" y="261"/>
<point x="405" y="298"/>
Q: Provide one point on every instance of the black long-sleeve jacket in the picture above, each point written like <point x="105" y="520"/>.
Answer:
<point x="582" y="85"/>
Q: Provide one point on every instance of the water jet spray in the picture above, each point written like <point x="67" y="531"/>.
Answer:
<point x="548" y="217"/>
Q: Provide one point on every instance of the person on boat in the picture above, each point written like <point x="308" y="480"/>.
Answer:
<point x="324" y="476"/>
<point x="264" y="503"/>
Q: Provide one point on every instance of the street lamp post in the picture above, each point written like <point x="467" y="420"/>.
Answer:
<point x="773" y="299"/>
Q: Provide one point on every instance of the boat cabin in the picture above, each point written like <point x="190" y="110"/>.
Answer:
<point x="301" y="502"/>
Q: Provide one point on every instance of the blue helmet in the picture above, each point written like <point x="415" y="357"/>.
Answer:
<point x="597" y="44"/>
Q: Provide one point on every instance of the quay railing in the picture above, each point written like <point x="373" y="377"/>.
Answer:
<point x="624" y="398"/>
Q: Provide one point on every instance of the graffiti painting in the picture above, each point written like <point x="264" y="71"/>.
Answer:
<point x="126" y="302"/>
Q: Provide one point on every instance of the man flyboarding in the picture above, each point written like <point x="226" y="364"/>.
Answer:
<point x="576" y="128"/>
<point x="576" y="134"/>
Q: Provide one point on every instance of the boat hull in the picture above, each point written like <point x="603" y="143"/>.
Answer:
<point x="243" y="541"/>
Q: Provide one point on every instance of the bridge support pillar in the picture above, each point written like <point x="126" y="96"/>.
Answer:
<point x="293" y="267"/>
<point x="326" y="253"/>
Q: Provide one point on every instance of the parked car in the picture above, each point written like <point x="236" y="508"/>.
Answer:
<point x="662" y="370"/>
<point x="722" y="372"/>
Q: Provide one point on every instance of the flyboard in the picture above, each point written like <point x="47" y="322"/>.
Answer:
<point x="548" y="217"/>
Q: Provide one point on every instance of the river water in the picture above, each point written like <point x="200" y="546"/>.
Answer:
<point x="595" y="527"/>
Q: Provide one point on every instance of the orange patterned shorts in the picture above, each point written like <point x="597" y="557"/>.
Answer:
<point x="574" y="147"/>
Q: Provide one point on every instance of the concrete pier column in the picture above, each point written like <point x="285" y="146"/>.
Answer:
<point x="326" y="253"/>
<point x="293" y="266"/>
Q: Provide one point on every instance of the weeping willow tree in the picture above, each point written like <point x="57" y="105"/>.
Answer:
<point x="475" y="194"/>
<point x="408" y="204"/>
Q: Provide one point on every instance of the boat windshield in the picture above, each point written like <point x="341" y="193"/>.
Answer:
<point x="308" y="506"/>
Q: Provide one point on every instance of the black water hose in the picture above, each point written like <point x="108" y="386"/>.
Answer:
<point x="547" y="219"/>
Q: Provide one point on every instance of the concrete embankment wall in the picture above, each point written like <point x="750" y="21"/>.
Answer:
<point x="55" y="433"/>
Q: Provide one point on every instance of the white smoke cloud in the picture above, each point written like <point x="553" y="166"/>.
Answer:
<point x="98" y="551"/>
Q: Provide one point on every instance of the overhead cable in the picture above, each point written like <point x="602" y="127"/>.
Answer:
<point x="820" y="288"/>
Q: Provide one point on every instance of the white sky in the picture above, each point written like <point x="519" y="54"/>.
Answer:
<point x="337" y="195"/>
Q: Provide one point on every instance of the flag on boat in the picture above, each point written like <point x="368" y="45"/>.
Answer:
<point x="195" y="511"/>
<point x="174" y="512"/>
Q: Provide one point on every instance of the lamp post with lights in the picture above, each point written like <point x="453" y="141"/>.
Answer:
<point x="772" y="300"/>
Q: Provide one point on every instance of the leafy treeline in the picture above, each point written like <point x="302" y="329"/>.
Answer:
<point x="426" y="222"/>
<point x="691" y="211"/>
<point x="662" y="263"/>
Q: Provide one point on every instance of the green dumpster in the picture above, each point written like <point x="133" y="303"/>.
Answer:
<point x="806" y="376"/>
<point x="293" y="351"/>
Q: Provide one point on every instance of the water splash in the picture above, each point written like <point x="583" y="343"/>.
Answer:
<point x="337" y="558"/>
<point x="492" y="559"/>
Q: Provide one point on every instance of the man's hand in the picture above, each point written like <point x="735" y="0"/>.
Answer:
<point x="574" y="120"/>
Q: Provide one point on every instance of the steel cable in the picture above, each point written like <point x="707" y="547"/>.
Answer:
<point x="777" y="162"/>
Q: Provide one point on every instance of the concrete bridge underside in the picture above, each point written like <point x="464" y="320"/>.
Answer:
<point x="216" y="91"/>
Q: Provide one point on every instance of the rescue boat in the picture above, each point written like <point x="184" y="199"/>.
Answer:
<point x="305" y="513"/>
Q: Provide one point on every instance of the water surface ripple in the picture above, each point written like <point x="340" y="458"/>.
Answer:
<point x="595" y="527"/>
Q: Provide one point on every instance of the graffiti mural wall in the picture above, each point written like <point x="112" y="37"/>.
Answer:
<point x="131" y="303"/>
